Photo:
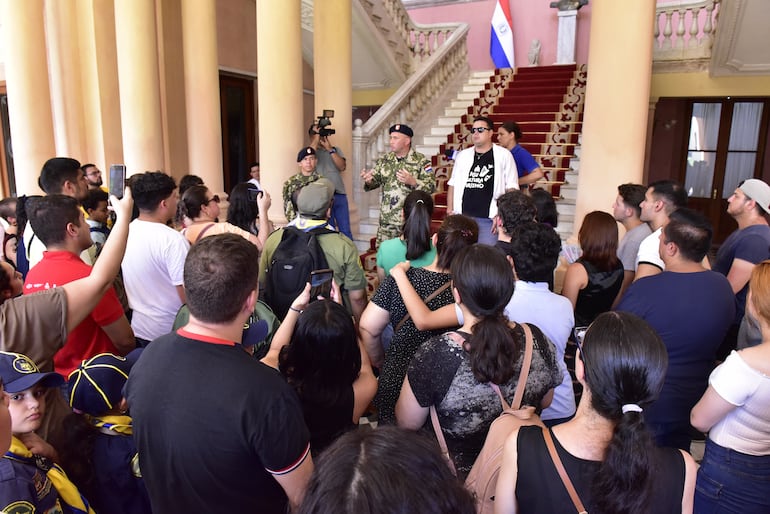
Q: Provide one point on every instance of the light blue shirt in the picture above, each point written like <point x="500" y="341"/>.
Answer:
<point x="533" y="302"/>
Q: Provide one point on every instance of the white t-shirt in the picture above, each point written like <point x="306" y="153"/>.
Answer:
<point x="649" y="251"/>
<point x="152" y="268"/>
<point x="747" y="427"/>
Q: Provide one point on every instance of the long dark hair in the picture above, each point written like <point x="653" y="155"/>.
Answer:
<point x="598" y="239"/>
<point x="418" y="210"/>
<point x="455" y="233"/>
<point x="243" y="212"/>
<point x="323" y="359"/>
<point x="382" y="471"/>
<point x="485" y="282"/>
<point x="193" y="200"/>
<point x="625" y="362"/>
<point x="75" y="444"/>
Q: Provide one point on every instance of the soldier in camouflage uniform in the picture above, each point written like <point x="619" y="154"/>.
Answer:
<point x="398" y="173"/>
<point x="307" y="174"/>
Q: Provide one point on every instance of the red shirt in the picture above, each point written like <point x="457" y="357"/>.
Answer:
<point x="87" y="339"/>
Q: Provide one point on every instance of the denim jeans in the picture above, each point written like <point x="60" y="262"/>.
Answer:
<point x="731" y="481"/>
<point x="485" y="231"/>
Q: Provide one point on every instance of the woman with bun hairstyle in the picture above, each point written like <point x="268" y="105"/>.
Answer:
<point x="432" y="284"/>
<point x="455" y="371"/>
<point x="607" y="452"/>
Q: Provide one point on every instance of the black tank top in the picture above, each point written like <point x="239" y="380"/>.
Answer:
<point x="598" y="295"/>
<point x="540" y="489"/>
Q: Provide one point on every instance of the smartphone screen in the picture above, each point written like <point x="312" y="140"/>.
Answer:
<point x="321" y="284"/>
<point x="117" y="179"/>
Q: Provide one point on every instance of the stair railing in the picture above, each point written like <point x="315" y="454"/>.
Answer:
<point x="441" y="58"/>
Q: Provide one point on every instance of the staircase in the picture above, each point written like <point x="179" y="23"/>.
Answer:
<point x="546" y="102"/>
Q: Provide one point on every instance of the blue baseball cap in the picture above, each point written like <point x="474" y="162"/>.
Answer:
<point x="20" y="373"/>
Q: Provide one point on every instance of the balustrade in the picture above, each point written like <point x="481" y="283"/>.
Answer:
<point x="695" y="24"/>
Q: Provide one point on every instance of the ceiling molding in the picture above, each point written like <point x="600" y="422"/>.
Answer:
<point x="740" y="47"/>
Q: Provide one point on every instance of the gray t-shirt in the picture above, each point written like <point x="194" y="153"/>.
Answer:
<point x="629" y="245"/>
<point x="327" y="168"/>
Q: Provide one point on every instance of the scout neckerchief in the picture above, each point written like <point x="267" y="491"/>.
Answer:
<point x="113" y="425"/>
<point x="68" y="493"/>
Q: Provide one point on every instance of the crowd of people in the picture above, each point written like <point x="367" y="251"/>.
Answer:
<point x="112" y="404"/>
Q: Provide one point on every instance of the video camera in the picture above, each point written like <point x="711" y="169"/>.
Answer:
<point x="324" y="122"/>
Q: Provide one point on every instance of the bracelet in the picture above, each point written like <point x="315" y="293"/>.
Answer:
<point x="333" y="151"/>
<point x="295" y="310"/>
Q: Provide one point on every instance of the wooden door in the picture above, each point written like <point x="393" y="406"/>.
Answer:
<point x="238" y="128"/>
<point x="726" y="145"/>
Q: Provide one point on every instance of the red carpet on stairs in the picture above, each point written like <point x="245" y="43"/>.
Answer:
<point x="547" y="104"/>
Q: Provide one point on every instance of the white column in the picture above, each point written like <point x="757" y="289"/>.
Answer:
<point x="565" y="48"/>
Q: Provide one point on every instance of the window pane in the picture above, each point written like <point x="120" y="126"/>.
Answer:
<point x="739" y="167"/>
<point x="704" y="126"/>
<point x="744" y="131"/>
<point x="700" y="174"/>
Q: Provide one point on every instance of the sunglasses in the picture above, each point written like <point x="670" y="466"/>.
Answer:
<point x="479" y="130"/>
<point x="580" y="334"/>
<point x="214" y="199"/>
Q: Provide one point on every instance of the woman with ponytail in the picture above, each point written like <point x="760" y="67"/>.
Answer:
<point x="607" y="452"/>
<point x="455" y="371"/>
<point x="432" y="284"/>
<point x="415" y="243"/>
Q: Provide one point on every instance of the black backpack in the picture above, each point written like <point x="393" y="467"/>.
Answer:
<point x="294" y="258"/>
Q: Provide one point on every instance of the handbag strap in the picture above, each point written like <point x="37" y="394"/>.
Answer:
<point x="202" y="232"/>
<point x="441" y="440"/>
<point x="563" y="472"/>
<point x="525" y="365"/>
<point x="426" y="300"/>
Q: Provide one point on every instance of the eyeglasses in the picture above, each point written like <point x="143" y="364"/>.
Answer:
<point x="579" y="335"/>
<point x="479" y="130"/>
<point x="214" y="199"/>
<point x="93" y="173"/>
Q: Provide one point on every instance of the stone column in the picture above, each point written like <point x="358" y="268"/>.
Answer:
<point x="279" y="95"/>
<point x="29" y="96"/>
<point x="66" y="79"/>
<point x="565" y="47"/>
<point x="99" y="84"/>
<point x="333" y="72"/>
<point x="204" y="133"/>
<point x="617" y="102"/>
<point x="140" y="108"/>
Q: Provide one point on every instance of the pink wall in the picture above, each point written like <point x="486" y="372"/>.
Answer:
<point x="532" y="19"/>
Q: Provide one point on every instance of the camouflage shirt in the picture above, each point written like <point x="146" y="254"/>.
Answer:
<point x="294" y="183"/>
<point x="393" y="192"/>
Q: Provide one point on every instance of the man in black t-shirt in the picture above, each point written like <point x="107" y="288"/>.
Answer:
<point x="216" y="430"/>
<point x="479" y="176"/>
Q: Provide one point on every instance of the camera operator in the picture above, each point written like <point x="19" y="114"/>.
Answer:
<point x="331" y="162"/>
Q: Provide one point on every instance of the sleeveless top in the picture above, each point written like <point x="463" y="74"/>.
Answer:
<point x="329" y="421"/>
<point x="597" y="297"/>
<point x="540" y="489"/>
